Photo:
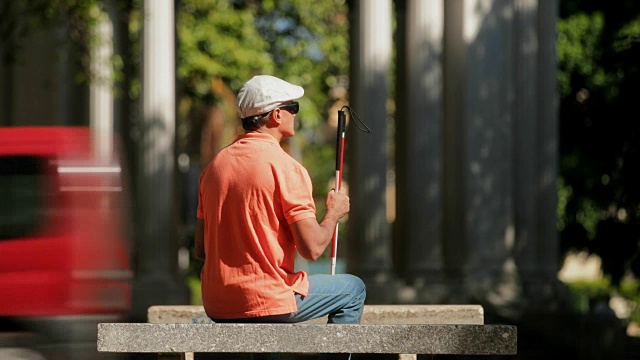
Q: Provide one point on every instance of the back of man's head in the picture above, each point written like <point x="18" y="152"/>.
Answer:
<point x="264" y="93"/>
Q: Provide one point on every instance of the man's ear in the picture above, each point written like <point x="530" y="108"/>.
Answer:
<point x="274" y="118"/>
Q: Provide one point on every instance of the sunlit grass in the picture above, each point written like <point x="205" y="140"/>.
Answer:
<point x="196" y="293"/>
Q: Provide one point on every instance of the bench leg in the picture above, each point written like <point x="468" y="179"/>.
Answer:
<point x="407" y="357"/>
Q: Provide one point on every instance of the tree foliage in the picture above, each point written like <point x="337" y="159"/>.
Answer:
<point x="235" y="39"/>
<point x="217" y="39"/>
<point x="309" y="47"/>
<point x="599" y="197"/>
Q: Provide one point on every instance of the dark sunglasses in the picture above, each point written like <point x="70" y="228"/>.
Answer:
<point x="293" y="107"/>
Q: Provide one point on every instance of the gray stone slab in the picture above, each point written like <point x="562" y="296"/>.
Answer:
<point x="308" y="338"/>
<point x="423" y="314"/>
<point x="373" y="314"/>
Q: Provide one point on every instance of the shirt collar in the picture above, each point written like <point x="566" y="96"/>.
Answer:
<point x="254" y="135"/>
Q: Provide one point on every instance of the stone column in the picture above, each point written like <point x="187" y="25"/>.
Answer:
<point x="479" y="155"/>
<point x="418" y="225"/>
<point x="368" y="238"/>
<point x="548" y="133"/>
<point x="500" y="152"/>
<point x="454" y="143"/>
<point x="101" y="100"/>
<point x="530" y="122"/>
<point x="535" y="167"/>
<point x="525" y="124"/>
<point x="156" y="234"/>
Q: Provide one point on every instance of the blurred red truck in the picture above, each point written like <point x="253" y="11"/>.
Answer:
<point x="64" y="253"/>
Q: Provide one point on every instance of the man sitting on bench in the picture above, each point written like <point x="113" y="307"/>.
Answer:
<point x="255" y="208"/>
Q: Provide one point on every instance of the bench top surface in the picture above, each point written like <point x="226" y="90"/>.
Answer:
<point x="373" y="314"/>
<point x="308" y="338"/>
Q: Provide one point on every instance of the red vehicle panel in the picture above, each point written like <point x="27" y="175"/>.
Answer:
<point x="63" y="248"/>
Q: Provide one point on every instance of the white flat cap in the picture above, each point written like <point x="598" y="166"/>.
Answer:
<point x="264" y="93"/>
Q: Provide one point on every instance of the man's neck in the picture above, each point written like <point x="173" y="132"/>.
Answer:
<point x="271" y="131"/>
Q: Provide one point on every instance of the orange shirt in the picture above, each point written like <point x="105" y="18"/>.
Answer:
<point x="249" y="194"/>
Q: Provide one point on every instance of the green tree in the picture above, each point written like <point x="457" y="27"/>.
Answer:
<point x="309" y="47"/>
<point x="218" y="40"/>
<point x="599" y="60"/>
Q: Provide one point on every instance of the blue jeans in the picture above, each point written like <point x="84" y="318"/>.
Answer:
<point x="340" y="296"/>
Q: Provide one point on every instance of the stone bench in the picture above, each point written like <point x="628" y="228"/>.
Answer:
<point x="173" y="341"/>
<point x="373" y="314"/>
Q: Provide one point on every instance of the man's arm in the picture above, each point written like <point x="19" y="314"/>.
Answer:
<point x="311" y="237"/>
<point x="200" y="239"/>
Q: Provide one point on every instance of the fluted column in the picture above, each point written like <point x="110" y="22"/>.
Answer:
<point x="500" y="151"/>
<point x="368" y="237"/>
<point x="418" y="225"/>
<point x="548" y="138"/>
<point x="541" y="286"/>
<point x="535" y="134"/>
<point x="526" y="135"/>
<point x="156" y="237"/>
<point x="479" y="149"/>
<point x="454" y="143"/>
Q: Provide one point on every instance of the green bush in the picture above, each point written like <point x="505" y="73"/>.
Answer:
<point x="585" y="294"/>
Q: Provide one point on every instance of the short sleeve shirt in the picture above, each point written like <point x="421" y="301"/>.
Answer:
<point x="248" y="195"/>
